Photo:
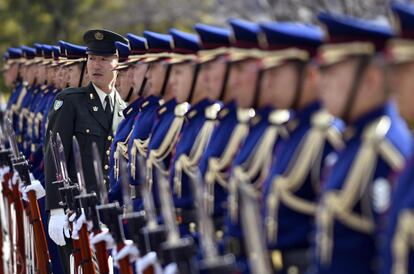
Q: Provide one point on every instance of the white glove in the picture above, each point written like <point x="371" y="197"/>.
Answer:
<point x="104" y="235"/>
<point x="171" y="269"/>
<point x="80" y="221"/>
<point x="57" y="226"/>
<point x="150" y="259"/>
<point x="35" y="186"/>
<point x="4" y="171"/>
<point x="128" y="250"/>
<point x="15" y="178"/>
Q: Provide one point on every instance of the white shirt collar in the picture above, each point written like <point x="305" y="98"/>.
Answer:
<point x="102" y="95"/>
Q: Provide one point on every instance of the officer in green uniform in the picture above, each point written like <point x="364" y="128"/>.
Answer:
<point x="91" y="114"/>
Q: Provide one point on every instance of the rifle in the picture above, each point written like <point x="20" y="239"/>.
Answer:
<point x="86" y="253"/>
<point x="255" y="243"/>
<point x="212" y="262"/>
<point x="180" y="251"/>
<point x="22" y="167"/>
<point x="108" y="212"/>
<point x="67" y="190"/>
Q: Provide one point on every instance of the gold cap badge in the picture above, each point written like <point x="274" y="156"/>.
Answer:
<point x="99" y="35"/>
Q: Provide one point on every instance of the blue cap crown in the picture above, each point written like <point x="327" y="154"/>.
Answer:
<point x="213" y="37"/>
<point x="137" y="43"/>
<point x="246" y="34"/>
<point x="158" y="42"/>
<point x="123" y="51"/>
<point x="185" y="43"/>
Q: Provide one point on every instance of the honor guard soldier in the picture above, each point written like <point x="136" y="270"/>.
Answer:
<point x="291" y="189"/>
<point x="242" y="66"/>
<point x="29" y="77"/>
<point x="167" y="125"/>
<point x="91" y="114"/>
<point x="145" y="120"/>
<point x="13" y="80"/>
<point x="184" y="78"/>
<point x="398" y="254"/>
<point x="119" y="148"/>
<point x="356" y="195"/>
<point x="206" y="86"/>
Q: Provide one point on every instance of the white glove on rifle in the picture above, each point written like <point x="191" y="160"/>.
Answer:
<point x="103" y="236"/>
<point x="150" y="259"/>
<point x="171" y="269"/>
<point x="3" y="171"/>
<point x="58" y="226"/>
<point x="35" y="186"/>
<point x="15" y="179"/>
<point x="128" y="250"/>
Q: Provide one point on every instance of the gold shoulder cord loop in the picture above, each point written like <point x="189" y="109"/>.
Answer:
<point x="283" y="187"/>
<point x="339" y="204"/>
<point x="258" y="162"/>
<point x="187" y="163"/>
<point x="216" y="169"/>
<point x="156" y="156"/>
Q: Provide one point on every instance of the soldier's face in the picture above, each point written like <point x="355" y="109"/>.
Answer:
<point x="181" y="80"/>
<point x="278" y="86"/>
<point x="74" y="74"/>
<point x="402" y="85"/>
<point x="10" y="75"/>
<point x="336" y="85"/>
<point x="101" y="70"/>
<point x="155" y="78"/>
<point x="137" y="75"/>
<point x="212" y="77"/>
<point x="200" y="91"/>
<point x="242" y="82"/>
<point x="51" y="71"/>
<point x="123" y="83"/>
<point x="41" y="73"/>
<point x="31" y="74"/>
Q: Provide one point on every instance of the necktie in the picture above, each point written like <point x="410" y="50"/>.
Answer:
<point x="108" y="111"/>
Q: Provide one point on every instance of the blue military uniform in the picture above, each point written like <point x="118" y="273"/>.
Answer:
<point x="398" y="248"/>
<point x="196" y="131"/>
<point x="119" y="147"/>
<point x="229" y="134"/>
<point x="355" y="198"/>
<point x="165" y="132"/>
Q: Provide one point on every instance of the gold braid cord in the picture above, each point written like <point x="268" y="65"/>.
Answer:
<point x="339" y="204"/>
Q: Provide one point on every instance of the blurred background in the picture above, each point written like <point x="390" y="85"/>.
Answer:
<point x="24" y="22"/>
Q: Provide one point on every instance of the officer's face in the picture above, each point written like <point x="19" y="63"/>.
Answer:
<point x="155" y="78"/>
<point x="137" y="75"/>
<point x="278" y="86"/>
<point x="213" y="76"/>
<point x="180" y="81"/>
<point x="336" y="85"/>
<point x="242" y="82"/>
<point x="101" y="70"/>
<point x="200" y="91"/>
<point x="402" y="85"/>
<point x="74" y="74"/>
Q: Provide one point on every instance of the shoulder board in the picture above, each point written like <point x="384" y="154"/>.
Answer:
<point x="376" y="133"/>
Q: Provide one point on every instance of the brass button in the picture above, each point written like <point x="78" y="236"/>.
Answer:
<point x="106" y="167"/>
<point x="87" y="130"/>
<point x="108" y="152"/>
<point x="109" y="138"/>
<point x="105" y="181"/>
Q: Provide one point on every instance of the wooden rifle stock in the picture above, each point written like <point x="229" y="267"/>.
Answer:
<point x="42" y="252"/>
<point x="86" y="253"/>
<point x="19" y="207"/>
<point x="101" y="255"/>
<point x="124" y="265"/>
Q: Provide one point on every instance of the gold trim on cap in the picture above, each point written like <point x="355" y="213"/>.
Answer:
<point x="401" y="50"/>
<point x="334" y="53"/>
<point x="276" y="58"/>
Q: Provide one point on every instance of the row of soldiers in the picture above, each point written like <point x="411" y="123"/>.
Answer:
<point x="267" y="148"/>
